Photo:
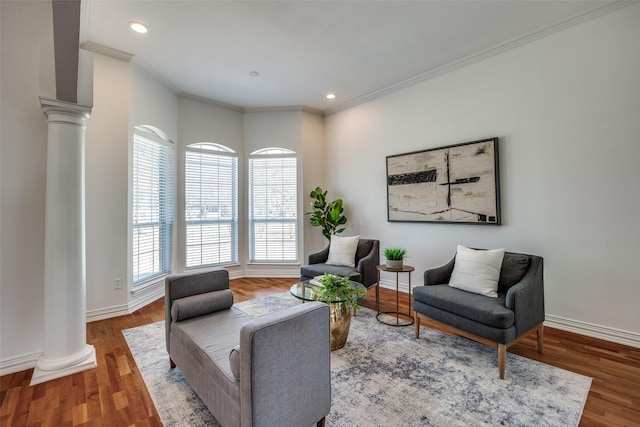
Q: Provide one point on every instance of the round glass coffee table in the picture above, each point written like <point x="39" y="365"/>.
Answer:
<point x="340" y="313"/>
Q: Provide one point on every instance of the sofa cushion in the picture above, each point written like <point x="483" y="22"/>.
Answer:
<point x="342" y="251"/>
<point x="201" y="304"/>
<point x="479" y="308"/>
<point x="212" y="350"/>
<point x="477" y="271"/>
<point x="313" y="270"/>
<point x="514" y="266"/>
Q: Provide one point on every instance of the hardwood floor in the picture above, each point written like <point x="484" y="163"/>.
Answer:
<point x="115" y="395"/>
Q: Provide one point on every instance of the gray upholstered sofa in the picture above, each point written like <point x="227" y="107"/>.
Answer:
<point x="497" y="322"/>
<point x="366" y="259"/>
<point x="273" y="370"/>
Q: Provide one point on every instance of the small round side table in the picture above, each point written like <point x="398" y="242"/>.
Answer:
<point x="399" y="320"/>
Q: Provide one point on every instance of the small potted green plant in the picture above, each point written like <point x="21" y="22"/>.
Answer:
<point x="395" y="258"/>
<point x="334" y="288"/>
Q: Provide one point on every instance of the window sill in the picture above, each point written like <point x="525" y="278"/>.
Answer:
<point x="146" y="286"/>
<point x="212" y="266"/>
<point x="296" y="264"/>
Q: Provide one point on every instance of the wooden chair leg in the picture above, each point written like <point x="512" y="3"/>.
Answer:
<point x="416" y="319"/>
<point x="320" y="423"/>
<point x="502" y="358"/>
<point x="540" y="333"/>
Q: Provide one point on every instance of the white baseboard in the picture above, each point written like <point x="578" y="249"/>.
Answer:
<point x="107" y="312"/>
<point x="271" y="270"/>
<point x="19" y="363"/>
<point x="390" y="284"/>
<point x="146" y="295"/>
<point x="595" y="331"/>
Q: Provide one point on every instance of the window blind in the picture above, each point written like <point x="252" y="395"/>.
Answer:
<point x="153" y="206"/>
<point x="211" y="205"/>
<point x="273" y="219"/>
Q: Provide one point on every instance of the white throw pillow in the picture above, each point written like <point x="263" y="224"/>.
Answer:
<point x="477" y="271"/>
<point x="342" y="251"/>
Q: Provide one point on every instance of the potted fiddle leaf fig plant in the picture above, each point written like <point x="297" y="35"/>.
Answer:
<point x="325" y="214"/>
<point x="334" y="288"/>
<point x="395" y="258"/>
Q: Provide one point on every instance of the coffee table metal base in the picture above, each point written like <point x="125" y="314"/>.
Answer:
<point x="399" y="321"/>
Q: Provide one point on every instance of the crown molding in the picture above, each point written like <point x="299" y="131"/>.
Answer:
<point x="284" y="108"/>
<point x="85" y="13"/>
<point x="106" y="50"/>
<point x="156" y="75"/>
<point x="313" y="111"/>
<point x="187" y="95"/>
<point x="130" y="58"/>
<point x="484" y="54"/>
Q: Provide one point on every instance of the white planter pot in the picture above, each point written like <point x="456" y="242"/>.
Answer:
<point x="394" y="264"/>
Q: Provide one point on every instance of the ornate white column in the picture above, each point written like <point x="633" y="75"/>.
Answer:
<point x="66" y="350"/>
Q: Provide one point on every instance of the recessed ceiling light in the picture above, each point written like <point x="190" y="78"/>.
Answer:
<point x="138" y="27"/>
<point x="331" y="95"/>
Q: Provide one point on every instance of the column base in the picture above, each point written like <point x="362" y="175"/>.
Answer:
<point x="41" y="375"/>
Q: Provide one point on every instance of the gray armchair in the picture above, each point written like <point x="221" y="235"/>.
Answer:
<point x="496" y="322"/>
<point x="366" y="259"/>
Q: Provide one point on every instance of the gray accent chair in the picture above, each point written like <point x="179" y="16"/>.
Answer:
<point x="366" y="259"/>
<point x="273" y="370"/>
<point x="496" y="322"/>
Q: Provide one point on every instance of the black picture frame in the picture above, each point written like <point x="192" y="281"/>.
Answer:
<point x="457" y="184"/>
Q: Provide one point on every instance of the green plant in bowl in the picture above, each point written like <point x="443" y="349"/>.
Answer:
<point x="336" y="288"/>
<point x="394" y="254"/>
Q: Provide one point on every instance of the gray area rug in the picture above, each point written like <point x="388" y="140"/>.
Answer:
<point x="385" y="377"/>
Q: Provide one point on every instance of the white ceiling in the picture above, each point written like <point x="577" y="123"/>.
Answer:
<point x="306" y="49"/>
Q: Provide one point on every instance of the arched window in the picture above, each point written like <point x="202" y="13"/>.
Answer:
<point x="211" y="205"/>
<point x="152" y="203"/>
<point x="273" y="218"/>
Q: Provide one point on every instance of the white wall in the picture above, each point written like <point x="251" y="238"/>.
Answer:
<point x="567" y="111"/>
<point x="273" y="129"/>
<point x="107" y="154"/>
<point x="23" y="151"/>
<point x="313" y="163"/>
<point x="151" y="103"/>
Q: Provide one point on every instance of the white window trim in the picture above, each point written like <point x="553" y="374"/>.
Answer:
<point x="159" y="137"/>
<point x="281" y="153"/>
<point x="222" y="151"/>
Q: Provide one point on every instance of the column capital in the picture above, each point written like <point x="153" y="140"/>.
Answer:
<point x="57" y="111"/>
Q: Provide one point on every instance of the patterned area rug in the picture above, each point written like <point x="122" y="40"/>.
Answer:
<point x="385" y="377"/>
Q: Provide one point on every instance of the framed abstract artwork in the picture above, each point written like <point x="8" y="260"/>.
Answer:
<point x="452" y="184"/>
